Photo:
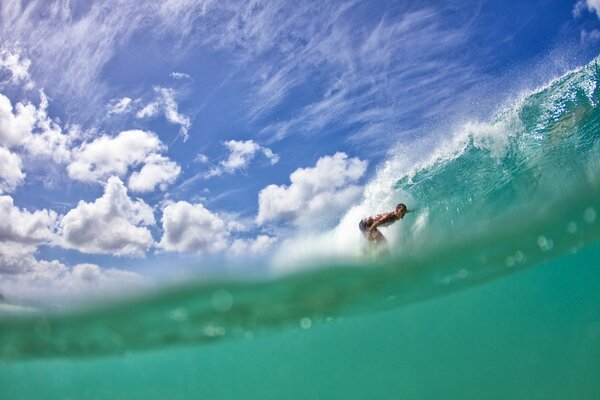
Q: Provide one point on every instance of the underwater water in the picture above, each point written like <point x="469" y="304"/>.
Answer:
<point x="494" y="294"/>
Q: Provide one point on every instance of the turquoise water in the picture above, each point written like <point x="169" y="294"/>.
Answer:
<point x="531" y="335"/>
<point x="492" y="291"/>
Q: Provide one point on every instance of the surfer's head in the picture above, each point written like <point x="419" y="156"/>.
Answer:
<point x="401" y="210"/>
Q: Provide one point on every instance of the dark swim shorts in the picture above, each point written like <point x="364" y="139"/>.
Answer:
<point x="362" y="225"/>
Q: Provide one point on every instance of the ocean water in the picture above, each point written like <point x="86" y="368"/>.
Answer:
<point x="492" y="290"/>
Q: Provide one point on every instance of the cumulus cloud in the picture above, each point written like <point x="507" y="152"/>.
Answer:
<point x="317" y="194"/>
<point x="24" y="277"/>
<point x="14" y="68"/>
<point x="32" y="130"/>
<point x="107" y="156"/>
<point x="256" y="246"/>
<point x="11" y="174"/>
<point x="192" y="228"/>
<point x="165" y="103"/>
<point x="157" y="171"/>
<point x="37" y="280"/>
<point x="113" y="224"/>
<point x="241" y="153"/>
<point x="15" y="123"/>
<point x="24" y="227"/>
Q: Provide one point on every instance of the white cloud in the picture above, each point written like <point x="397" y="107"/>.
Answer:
<point x="107" y="155"/>
<point x="54" y="282"/>
<point x="149" y="110"/>
<point x="15" y="124"/>
<point x="11" y="174"/>
<point x="192" y="228"/>
<point x="48" y="140"/>
<point x="24" y="227"/>
<point x="167" y="104"/>
<point x="23" y="277"/>
<point x="120" y="106"/>
<point x="590" y="5"/>
<point x="256" y="246"/>
<point x="180" y="75"/>
<point x="316" y="195"/>
<point x="14" y="68"/>
<point x="30" y="129"/>
<point x="241" y="153"/>
<point x="157" y="171"/>
<point x="113" y="224"/>
<point x="201" y="158"/>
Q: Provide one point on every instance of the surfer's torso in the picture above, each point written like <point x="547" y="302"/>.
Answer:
<point x="386" y="219"/>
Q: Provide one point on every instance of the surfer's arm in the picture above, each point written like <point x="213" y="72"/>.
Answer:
<point x="379" y="221"/>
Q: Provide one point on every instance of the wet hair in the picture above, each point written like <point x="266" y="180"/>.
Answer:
<point x="401" y="206"/>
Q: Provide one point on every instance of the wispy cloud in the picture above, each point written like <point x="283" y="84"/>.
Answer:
<point x="241" y="153"/>
<point x="165" y="103"/>
<point x="374" y="77"/>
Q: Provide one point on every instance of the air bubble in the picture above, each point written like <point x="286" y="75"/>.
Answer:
<point x="179" y="314"/>
<point x="544" y="243"/>
<point x="589" y="215"/>
<point x="572" y="227"/>
<point x="305" y="323"/>
<point x="222" y="300"/>
<point x="520" y="257"/>
<point x="213" y="330"/>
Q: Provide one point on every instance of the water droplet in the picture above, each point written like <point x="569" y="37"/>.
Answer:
<point x="179" y="314"/>
<point x="222" y="300"/>
<point x="213" y="330"/>
<point x="520" y="257"/>
<point x="545" y="243"/>
<point x="305" y="323"/>
<point x="510" y="261"/>
<point x="589" y="215"/>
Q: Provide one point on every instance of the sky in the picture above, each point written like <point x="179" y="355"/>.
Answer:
<point x="141" y="141"/>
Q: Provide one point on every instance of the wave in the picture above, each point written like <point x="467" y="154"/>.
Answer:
<point x="495" y="198"/>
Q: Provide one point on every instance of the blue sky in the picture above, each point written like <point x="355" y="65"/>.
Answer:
<point x="139" y="141"/>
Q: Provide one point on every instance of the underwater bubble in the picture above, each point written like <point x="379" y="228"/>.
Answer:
<point x="520" y="257"/>
<point x="222" y="300"/>
<point x="544" y="243"/>
<point x="213" y="330"/>
<point x="510" y="261"/>
<point x="305" y="323"/>
<point x="463" y="273"/>
<point x="248" y="335"/>
<point x="179" y="314"/>
<point x="589" y="215"/>
<point x="572" y="227"/>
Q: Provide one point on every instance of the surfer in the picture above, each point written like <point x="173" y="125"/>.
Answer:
<point x="368" y="226"/>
